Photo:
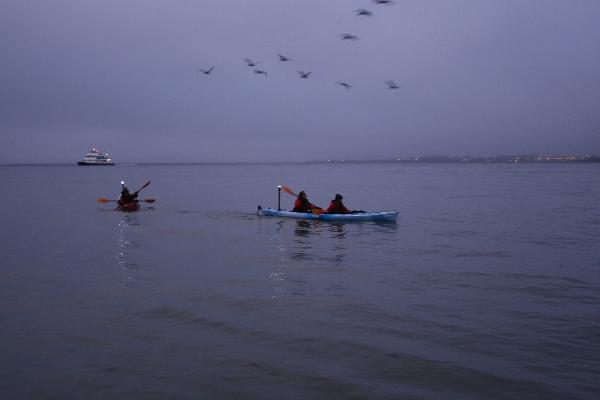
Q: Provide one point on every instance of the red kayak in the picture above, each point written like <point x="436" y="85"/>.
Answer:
<point x="129" y="207"/>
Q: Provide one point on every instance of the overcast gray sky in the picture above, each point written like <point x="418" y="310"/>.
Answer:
<point x="475" y="77"/>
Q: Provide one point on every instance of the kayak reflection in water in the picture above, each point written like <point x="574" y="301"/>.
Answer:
<point x="126" y="197"/>
<point x="303" y="205"/>
<point x="337" y="207"/>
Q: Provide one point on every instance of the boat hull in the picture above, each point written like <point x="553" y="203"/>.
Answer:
<point x="129" y="207"/>
<point x="94" y="163"/>
<point x="385" y="216"/>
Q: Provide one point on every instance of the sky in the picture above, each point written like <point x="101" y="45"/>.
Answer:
<point x="478" y="77"/>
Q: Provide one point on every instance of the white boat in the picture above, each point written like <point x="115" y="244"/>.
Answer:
<point x="96" y="157"/>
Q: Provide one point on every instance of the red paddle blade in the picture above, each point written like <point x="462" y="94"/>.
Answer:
<point x="104" y="200"/>
<point x="149" y="200"/>
<point x="288" y="190"/>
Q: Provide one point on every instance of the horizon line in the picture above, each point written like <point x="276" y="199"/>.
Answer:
<point x="529" y="157"/>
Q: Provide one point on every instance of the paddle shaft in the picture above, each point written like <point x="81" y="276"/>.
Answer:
<point x="145" y="185"/>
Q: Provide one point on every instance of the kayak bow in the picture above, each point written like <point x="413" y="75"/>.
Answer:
<point x="129" y="207"/>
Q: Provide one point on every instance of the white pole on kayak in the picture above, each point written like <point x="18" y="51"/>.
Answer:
<point x="278" y="197"/>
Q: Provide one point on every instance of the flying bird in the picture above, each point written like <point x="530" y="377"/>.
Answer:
<point x="260" y="72"/>
<point x="303" y="74"/>
<point x="283" y="58"/>
<point x="364" y="12"/>
<point x="348" y="36"/>
<point x="206" y="71"/>
<point x="251" y="63"/>
<point x="344" y="84"/>
<point x="391" y="84"/>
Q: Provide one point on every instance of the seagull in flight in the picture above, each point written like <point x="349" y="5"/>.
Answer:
<point x="391" y="84"/>
<point x="344" y="84"/>
<point x="283" y="58"/>
<point x="364" y="12"/>
<point x="251" y="63"/>
<point x="348" y="36"/>
<point x="304" y="74"/>
<point x="206" y="71"/>
<point x="260" y="72"/>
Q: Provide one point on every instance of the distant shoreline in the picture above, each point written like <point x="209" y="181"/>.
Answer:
<point x="540" y="159"/>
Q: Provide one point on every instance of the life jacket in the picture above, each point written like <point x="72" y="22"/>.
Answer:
<point x="337" y="207"/>
<point x="127" y="198"/>
<point x="302" y="205"/>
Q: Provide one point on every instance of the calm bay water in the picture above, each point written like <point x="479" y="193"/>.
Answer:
<point x="487" y="287"/>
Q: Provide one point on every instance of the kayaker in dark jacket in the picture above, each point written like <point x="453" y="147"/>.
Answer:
<point x="303" y="205"/>
<point x="337" y="206"/>
<point x="126" y="197"/>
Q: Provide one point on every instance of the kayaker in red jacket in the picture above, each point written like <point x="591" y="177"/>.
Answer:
<point x="337" y="206"/>
<point x="126" y="197"/>
<point x="303" y="205"/>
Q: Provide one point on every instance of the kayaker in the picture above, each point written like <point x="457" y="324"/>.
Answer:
<point x="126" y="197"/>
<point x="337" y="206"/>
<point x="303" y="205"/>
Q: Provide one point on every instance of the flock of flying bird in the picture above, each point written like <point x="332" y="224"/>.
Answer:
<point x="305" y="75"/>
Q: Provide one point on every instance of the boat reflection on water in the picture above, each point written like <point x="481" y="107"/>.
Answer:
<point x="302" y="228"/>
<point x="300" y="247"/>
<point x="339" y="245"/>
<point x="124" y="245"/>
<point x="312" y="235"/>
<point x="331" y="241"/>
<point x="278" y="274"/>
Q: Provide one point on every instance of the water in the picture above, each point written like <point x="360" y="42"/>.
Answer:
<point x="487" y="287"/>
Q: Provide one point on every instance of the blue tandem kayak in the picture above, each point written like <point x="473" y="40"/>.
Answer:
<point x="384" y="216"/>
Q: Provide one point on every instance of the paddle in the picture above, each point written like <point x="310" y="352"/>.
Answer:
<point x="145" y="185"/>
<point x="316" y="210"/>
<point x="105" y="200"/>
<point x="288" y="190"/>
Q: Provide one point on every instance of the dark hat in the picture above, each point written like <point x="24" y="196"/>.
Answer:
<point x="338" y="196"/>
